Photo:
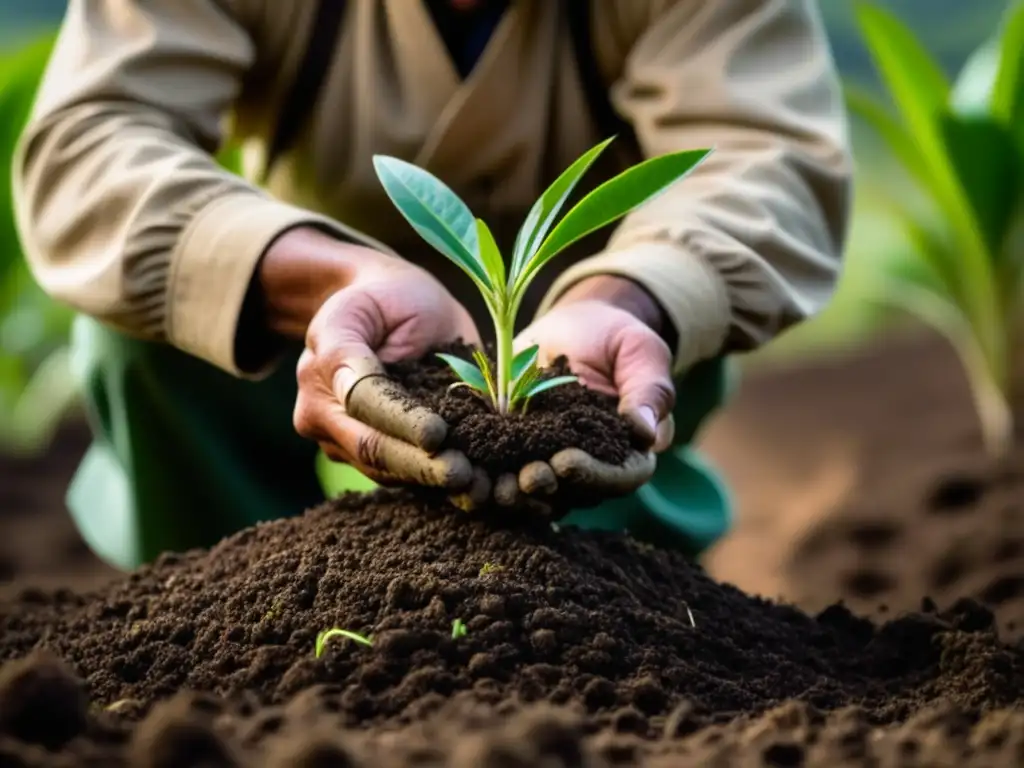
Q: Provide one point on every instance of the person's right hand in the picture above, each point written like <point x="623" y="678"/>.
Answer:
<point x="370" y="308"/>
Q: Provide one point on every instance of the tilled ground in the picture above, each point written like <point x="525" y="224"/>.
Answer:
<point x="637" y="642"/>
<point x="580" y="648"/>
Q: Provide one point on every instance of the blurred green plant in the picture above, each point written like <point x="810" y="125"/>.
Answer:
<point x="962" y="144"/>
<point x="37" y="389"/>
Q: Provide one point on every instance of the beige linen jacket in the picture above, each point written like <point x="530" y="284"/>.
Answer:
<point x="126" y="217"/>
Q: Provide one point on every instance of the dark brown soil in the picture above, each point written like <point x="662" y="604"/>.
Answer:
<point x="569" y="416"/>
<point x="859" y="480"/>
<point x="589" y="621"/>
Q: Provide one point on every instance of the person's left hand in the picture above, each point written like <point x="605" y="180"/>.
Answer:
<point x="606" y="328"/>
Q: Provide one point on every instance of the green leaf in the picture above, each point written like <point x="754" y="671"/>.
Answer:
<point x="920" y="92"/>
<point x="466" y="371"/>
<point x="989" y="392"/>
<point x="485" y="367"/>
<point x="524" y="361"/>
<point x="490" y="256"/>
<point x="915" y="81"/>
<point x="327" y="634"/>
<point x="610" y="201"/>
<point x="983" y="154"/>
<point x="900" y="143"/>
<point x="547" y="206"/>
<point x="1007" y="99"/>
<point x="546" y="384"/>
<point x="434" y="211"/>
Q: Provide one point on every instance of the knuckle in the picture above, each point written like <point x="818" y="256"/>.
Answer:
<point x="370" y="450"/>
<point x="303" y="419"/>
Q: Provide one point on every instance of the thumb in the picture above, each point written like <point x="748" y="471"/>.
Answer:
<point x="643" y="379"/>
<point x="344" y="336"/>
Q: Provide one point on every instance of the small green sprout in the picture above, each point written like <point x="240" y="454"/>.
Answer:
<point x="327" y="634"/>
<point x="490" y="568"/>
<point x="446" y="223"/>
<point x="458" y="629"/>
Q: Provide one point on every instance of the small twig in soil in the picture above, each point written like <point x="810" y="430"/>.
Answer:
<point x="327" y="634"/>
<point x="458" y="629"/>
<point x="690" y="614"/>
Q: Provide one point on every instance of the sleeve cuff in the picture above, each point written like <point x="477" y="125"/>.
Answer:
<point x="214" y="265"/>
<point x="690" y="291"/>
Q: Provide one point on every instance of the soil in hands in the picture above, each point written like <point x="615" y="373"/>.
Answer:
<point x="569" y="416"/>
<point x="592" y="623"/>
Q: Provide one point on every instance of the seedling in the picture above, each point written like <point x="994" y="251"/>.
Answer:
<point x="490" y="568"/>
<point x="962" y="144"/>
<point x="458" y="629"/>
<point x="446" y="223"/>
<point x="327" y="634"/>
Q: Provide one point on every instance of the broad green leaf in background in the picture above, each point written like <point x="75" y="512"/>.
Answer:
<point x="983" y="155"/>
<point x="1007" y="99"/>
<point x="894" y="134"/>
<point x="921" y="92"/>
<point x="610" y="201"/>
<point x="937" y="311"/>
<point x="544" y="211"/>
<point x="435" y="212"/>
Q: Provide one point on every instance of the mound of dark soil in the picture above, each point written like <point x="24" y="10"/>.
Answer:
<point x="568" y="416"/>
<point x="591" y="623"/>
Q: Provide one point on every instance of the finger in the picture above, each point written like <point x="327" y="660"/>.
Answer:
<point x="666" y="434"/>
<point x="477" y="495"/>
<point x="537" y="478"/>
<point x="643" y="379"/>
<point x="375" y="453"/>
<point x="332" y="452"/>
<point x="380" y="402"/>
<point x="578" y="467"/>
<point x="506" y="490"/>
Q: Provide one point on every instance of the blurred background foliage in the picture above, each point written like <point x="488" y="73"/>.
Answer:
<point x="35" y="383"/>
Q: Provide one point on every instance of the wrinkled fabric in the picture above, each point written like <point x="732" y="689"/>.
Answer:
<point x="126" y="217"/>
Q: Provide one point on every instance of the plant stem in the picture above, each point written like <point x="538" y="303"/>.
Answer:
<point x="503" y="335"/>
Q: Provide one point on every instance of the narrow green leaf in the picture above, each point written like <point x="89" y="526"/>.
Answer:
<point x="488" y="372"/>
<point x="920" y="92"/>
<point x="523" y="361"/>
<point x="522" y="385"/>
<point x="610" y="201"/>
<point x="914" y="79"/>
<point x="434" y="211"/>
<point x="546" y="384"/>
<point x="466" y="371"/>
<point x="490" y="257"/>
<point x="900" y="143"/>
<point x="547" y="206"/>
<point x="988" y="385"/>
<point x="327" y="634"/>
<point x="983" y="155"/>
<point x="1007" y="100"/>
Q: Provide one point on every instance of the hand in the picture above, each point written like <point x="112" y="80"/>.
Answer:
<point x="366" y="308"/>
<point x="621" y="354"/>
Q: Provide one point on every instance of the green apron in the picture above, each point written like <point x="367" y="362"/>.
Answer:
<point x="185" y="454"/>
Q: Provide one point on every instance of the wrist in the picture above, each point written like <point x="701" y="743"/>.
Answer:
<point x="622" y="293"/>
<point x="300" y="271"/>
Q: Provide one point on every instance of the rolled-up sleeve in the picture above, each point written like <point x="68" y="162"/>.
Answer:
<point x="122" y="209"/>
<point x="750" y="242"/>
